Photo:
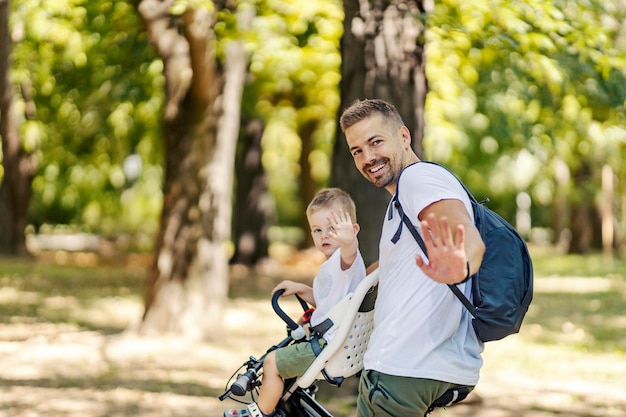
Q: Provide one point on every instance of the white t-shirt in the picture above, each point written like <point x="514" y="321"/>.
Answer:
<point x="421" y="329"/>
<point x="331" y="284"/>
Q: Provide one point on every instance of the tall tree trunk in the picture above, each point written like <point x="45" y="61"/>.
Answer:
<point x="186" y="287"/>
<point x="254" y="204"/>
<point x="585" y="224"/>
<point x="382" y="57"/>
<point x="308" y="187"/>
<point x="19" y="165"/>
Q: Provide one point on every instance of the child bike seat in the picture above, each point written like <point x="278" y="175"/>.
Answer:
<point x="353" y="317"/>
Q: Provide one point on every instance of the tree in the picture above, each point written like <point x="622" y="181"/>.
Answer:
<point x="187" y="283"/>
<point x="254" y="207"/>
<point x="535" y="88"/>
<point x="87" y="69"/>
<point x="18" y="159"/>
<point x="294" y="73"/>
<point x="383" y="56"/>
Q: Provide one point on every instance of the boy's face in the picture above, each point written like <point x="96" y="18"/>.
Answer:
<point x="320" y="226"/>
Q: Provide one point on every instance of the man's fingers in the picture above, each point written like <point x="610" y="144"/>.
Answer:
<point x="460" y="237"/>
<point x="446" y="234"/>
<point x="438" y="231"/>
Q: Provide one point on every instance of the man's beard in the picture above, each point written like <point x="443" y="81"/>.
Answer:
<point x="381" y="180"/>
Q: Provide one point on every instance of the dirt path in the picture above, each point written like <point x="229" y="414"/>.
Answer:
<point x="61" y="370"/>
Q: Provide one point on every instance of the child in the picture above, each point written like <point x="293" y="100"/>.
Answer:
<point x="332" y="219"/>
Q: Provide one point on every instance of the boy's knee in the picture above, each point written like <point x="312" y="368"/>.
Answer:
<point x="269" y="363"/>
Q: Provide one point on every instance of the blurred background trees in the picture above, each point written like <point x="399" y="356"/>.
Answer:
<point x="199" y="130"/>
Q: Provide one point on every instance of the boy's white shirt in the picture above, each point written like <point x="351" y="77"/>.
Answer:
<point x="421" y="329"/>
<point x="331" y="285"/>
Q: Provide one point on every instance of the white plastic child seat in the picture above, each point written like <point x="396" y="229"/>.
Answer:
<point x="343" y="356"/>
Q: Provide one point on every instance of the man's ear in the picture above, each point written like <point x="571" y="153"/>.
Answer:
<point x="406" y="136"/>
<point x="357" y="228"/>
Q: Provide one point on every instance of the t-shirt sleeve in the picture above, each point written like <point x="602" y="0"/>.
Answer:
<point x="423" y="184"/>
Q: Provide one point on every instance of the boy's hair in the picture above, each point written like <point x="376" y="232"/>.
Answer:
<point x="366" y="108"/>
<point x="332" y="197"/>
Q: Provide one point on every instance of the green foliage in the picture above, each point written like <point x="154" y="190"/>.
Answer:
<point x="294" y="70"/>
<point x="98" y="90"/>
<point x="526" y="94"/>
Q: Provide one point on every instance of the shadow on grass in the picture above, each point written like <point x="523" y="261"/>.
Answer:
<point x="104" y="384"/>
<point x="589" y="316"/>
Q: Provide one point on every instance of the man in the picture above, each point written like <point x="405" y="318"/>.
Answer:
<point x="423" y="342"/>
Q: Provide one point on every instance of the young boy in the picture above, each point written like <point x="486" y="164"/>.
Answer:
<point x="332" y="219"/>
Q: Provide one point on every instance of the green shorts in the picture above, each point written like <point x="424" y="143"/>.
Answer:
<point x="387" y="395"/>
<point x="293" y="360"/>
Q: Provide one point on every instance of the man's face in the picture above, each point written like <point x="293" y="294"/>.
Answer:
<point x="379" y="150"/>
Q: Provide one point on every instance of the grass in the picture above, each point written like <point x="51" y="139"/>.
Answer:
<point x="579" y="301"/>
<point x="548" y="261"/>
<point x="572" y="343"/>
<point x="41" y="291"/>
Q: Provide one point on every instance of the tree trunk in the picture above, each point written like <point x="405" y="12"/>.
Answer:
<point x="308" y="187"/>
<point x="382" y="57"/>
<point x="585" y="224"/>
<point x="254" y="204"/>
<point x="19" y="165"/>
<point x="186" y="286"/>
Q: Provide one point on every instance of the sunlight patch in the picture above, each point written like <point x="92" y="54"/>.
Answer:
<point x="575" y="285"/>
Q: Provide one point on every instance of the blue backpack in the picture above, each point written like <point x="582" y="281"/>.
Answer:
<point x="502" y="289"/>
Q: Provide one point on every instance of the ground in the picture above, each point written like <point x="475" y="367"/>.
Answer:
<point x="56" y="368"/>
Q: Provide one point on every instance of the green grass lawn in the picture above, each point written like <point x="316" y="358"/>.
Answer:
<point x="572" y="343"/>
<point x="579" y="300"/>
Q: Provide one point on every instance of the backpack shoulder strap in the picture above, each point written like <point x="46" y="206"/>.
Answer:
<point x="469" y="194"/>
<point x="395" y="203"/>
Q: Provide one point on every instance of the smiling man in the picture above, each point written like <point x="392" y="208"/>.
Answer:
<point x="423" y="342"/>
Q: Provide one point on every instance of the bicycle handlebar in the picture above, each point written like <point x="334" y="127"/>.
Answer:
<point x="281" y="313"/>
<point x="248" y="380"/>
<point x="242" y="384"/>
<point x="284" y="316"/>
<point x="297" y="332"/>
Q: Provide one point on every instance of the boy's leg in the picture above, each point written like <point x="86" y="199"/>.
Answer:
<point x="287" y="362"/>
<point x="272" y="385"/>
<point x="292" y="361"/>
<point x="388" y="395"/>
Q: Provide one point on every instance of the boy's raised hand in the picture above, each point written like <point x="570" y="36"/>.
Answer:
<point x="342" y="227"/>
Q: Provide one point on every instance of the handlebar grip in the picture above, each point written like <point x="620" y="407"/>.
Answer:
<point x="241" y="385"/>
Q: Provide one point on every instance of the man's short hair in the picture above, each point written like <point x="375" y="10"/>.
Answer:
<point x="363" y="109"/>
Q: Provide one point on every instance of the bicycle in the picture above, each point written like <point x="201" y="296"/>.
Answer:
<point x="340" y="359"/>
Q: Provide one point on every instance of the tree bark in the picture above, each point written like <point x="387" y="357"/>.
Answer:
<point x="308" y="187"/>
<point x="586" y="226"/>
<point x="383" y="56"/>
<point x="254" y="204"/>
<point x="186" y="286"/>
<point x="19" y="165"/>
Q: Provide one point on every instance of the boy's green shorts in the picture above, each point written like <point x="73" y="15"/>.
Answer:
<point x="293" y="360"/>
